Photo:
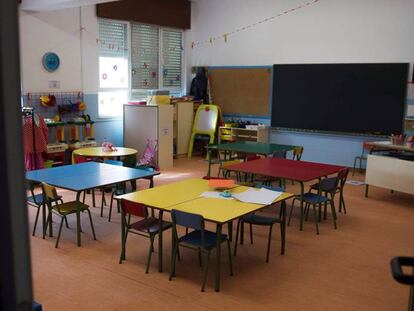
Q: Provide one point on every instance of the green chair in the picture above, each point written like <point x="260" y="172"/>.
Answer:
<point x="36" y="200"/>
<point x="205" y="123"/>
<point x="200" y="240"/>
<point x="147" y="226"/>
<point x="62" y="209"/>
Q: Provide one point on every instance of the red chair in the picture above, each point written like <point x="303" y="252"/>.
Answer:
<point x="147" y="226"/>
<point x="366" y="149"/>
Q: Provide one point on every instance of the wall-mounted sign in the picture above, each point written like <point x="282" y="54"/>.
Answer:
<point x="50" y="61"/>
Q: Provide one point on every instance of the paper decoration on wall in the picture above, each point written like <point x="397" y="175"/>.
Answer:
<point x="104" y="76"/>
<point x="165" y="72"/>
<point x="145" y="65"/>
<point x="227" y="34"/>
<point x="177" y="78"/>
<point x="154" y="74"/>
<point x="115" y="67"/>
<point x="145" y="82"/>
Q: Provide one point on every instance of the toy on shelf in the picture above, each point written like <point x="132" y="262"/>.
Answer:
<point x="85" y="125"/>
<point x="57" y="143"/>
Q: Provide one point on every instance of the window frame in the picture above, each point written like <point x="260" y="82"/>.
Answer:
<point x="115" y="89"/>
<point x="160" y="29"/>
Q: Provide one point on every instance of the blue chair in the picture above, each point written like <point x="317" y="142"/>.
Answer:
<point x="317" y="199"/>
<point x="117" y="190"/>
<point x="199" y="239"/>
<point x="259" y="220"/>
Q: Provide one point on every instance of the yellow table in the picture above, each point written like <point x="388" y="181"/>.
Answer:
<point x="97" y="152"/>
<point x="185" y="196"/>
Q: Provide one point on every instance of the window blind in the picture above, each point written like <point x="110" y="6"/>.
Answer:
<point x="113" y="39"/>
<point x="144" y="58"/>
<point x="171" y="58"/>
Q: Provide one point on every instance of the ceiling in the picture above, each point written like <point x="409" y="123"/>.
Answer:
<point x="50" y="5"/>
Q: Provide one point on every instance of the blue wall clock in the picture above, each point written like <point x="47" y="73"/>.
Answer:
<point x="50" y="61"/>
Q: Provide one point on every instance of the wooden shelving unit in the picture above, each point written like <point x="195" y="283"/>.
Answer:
<point x="228" y="134"/>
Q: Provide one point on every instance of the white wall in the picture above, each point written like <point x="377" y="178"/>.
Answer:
<point x="60" y="32"/>
<point x="327" y="31"/>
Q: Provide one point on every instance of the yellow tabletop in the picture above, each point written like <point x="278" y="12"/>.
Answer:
<point x="185" y="196"/>
<point x="99" y="153"/>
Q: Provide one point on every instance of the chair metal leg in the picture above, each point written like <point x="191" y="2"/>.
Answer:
<point x="251" y="233"/>
<point x="84" y="195"/>
<point x="333" y="213"/>
<point x="150" y="253"/>
<point x="341" y="203"/>
<point x="230" y="260"/>
<point x="205" y="272"/>
<point x="242" y="233"/>
<point x="316" y="218"/>
<point x="36" y="219"/>
<point x="90" y="219"/>
<point x="268" y="243"/>
<point x="291" y="210"/>
<point x="66" y="222"/>
<point x="199" y="258"/>
<point x="110" y="206"/>
<point x="60" y="230"/>
<point x="230" y="230"/>
<point x="173" y="256"/>
<point x="237" y="237"/>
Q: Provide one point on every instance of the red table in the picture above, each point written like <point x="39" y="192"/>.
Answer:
<point x="300" y="171"/>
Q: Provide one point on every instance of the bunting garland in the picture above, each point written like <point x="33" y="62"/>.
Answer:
<point x="225" y="36"/>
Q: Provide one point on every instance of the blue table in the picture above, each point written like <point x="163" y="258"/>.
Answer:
<point x="85" y="176"/>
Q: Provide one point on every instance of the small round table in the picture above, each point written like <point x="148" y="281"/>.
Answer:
<point x="97" y="152"/>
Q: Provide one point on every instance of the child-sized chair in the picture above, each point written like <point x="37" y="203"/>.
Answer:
<point x="199" y="239"/>
<point x="147" y="226"/>
<point x="205" y="123"/>
<point x="62" y="209"/>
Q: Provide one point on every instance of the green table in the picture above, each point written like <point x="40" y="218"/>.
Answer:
<point x="248" y="147"/>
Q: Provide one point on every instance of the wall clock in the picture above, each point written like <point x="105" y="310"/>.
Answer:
<point x="50" y="61"/>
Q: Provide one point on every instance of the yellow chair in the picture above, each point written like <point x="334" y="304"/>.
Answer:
<point x="62" y="209"/>
<point x="205" y="123"/>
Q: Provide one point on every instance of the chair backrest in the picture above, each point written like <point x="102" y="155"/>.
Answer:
<point x="80" y="159"/>
<point x="114" y="162"/>
<point x="136" y="209"/>
<point x="342" y="176"/>
<point x="297" y="153"/>
<point x="188" y="220"/>
<point x="205" y="120"/>
<point x="49" y="192"/>
<point x="252" y="158"/>
<point x="130" y="161"/>
<point x="279" y="154"/>
<point x="367" y="146"/>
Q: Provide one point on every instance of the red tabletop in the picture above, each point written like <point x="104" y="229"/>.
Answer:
<point x="287" y="169"/>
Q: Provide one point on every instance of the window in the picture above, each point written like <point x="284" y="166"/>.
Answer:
<point x="113" y="68"/>
<point x="155" y="63"/>
<point x="156" y="60"/>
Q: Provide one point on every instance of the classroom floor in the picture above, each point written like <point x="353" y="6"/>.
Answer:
<point x="344" y="269"/>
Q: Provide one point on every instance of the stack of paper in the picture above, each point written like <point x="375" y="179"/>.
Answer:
<point x="214" y="195"/>
<point x="262" y="196"/>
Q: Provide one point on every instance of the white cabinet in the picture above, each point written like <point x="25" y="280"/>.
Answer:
<point x="390" y="173"/>
<point x="150" y="122"/>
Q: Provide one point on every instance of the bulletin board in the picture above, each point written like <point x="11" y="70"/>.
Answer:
<point x="244" y="91"/>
